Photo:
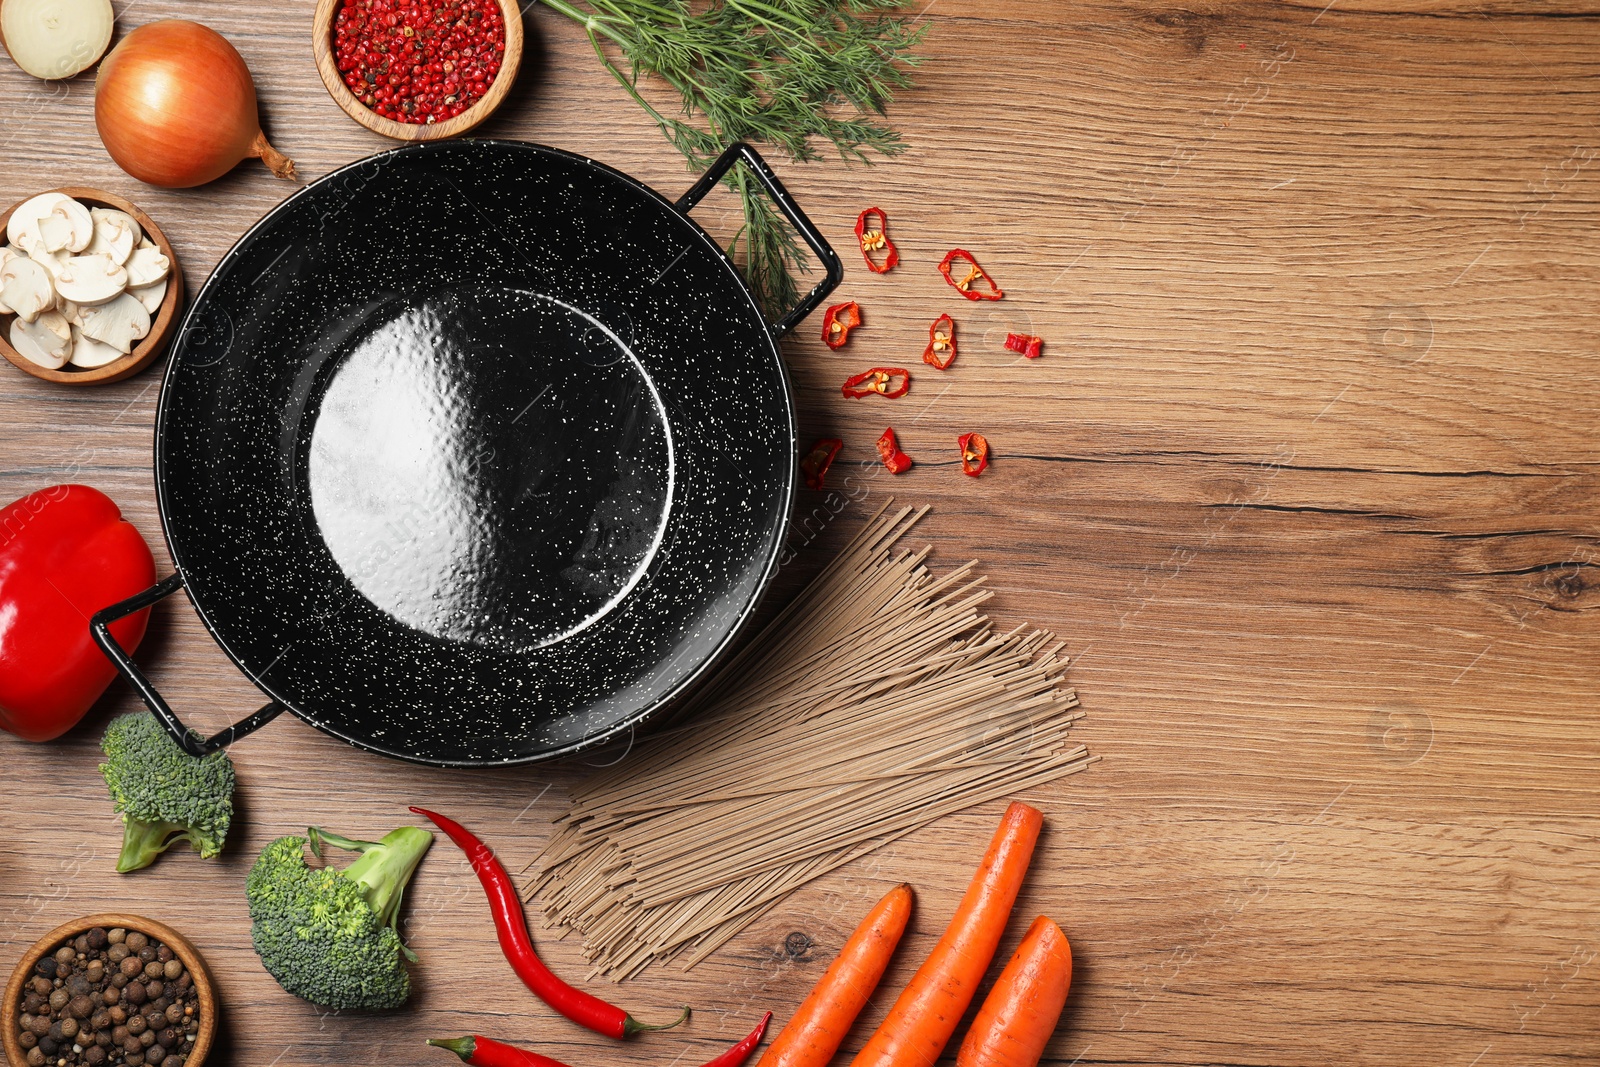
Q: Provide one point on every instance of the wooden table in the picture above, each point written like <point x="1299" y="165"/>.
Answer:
<point x="1307" y="477"/>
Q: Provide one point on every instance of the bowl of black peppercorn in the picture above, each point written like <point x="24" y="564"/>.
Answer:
<point x="110" y="990"/>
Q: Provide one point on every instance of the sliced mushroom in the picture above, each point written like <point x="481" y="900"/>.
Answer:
<point x="25" y="288"/>
<point x="55" y="232"/>
<point x="46" y="341"/>
<point x="53" y="263"/>
<point x="69" y="226"/>
<point x="69" y="311"/>
<point x="150" y="295"/>
<point x="116" y="234"/>
<point x="5" y="256"/>
<point x="22" y="229"/>
<point x="146" y="266"/>
<point x="89" y="353"/>
<point x="91" y="279"/>
<point x="118" y="323"/>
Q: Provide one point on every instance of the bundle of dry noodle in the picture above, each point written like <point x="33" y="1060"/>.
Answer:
<point x="877" y="702"/>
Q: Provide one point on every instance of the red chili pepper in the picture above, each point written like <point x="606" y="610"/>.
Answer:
<point x="65" y="553"/>
<point x="889" y="448"/>
<point x="874" y="239"/>
<point x="517" y="944"/>
<point x="816" y="462"/>
<point x="487" y="1052"/>
<point x="941" y="350"/>
<point x="1025" y="343"/>
<point x="974" y="454"/>
<point x="838" y="321"/>
<point x="879" y="381"/>
<point x="973" y="273"/>
<point x="483" y="1051"/>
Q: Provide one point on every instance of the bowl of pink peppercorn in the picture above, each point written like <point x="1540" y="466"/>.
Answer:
<point x="418" y="70"/>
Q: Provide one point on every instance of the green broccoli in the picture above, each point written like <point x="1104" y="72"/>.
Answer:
<point x="164" y="794"/>
<point x="328" y="935"/>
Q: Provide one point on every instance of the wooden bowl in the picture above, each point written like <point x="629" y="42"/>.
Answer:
<point x="328" y="66"/>
<point x="162" y="324"/>
<point x="204" y="985"/>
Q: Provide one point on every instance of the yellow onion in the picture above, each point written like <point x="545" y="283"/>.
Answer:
<point x="176" y="107"/>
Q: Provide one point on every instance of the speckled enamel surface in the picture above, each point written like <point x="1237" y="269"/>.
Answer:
<point x="474" y="452"/>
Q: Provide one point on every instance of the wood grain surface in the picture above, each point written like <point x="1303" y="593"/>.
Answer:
<point x="1307" y="477"/>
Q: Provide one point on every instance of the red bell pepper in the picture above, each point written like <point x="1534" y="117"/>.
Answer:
<point x="65" y="553"/>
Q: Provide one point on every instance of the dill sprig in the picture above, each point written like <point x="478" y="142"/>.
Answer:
<point x="791" y="74"/>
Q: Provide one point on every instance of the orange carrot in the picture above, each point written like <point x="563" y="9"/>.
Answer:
<point x="1020" y="1013"/>
<point x="922" y="1020"/>
<point x="822" y="1021"/>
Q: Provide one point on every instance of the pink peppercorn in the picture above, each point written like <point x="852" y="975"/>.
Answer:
<point x="419" y="61"/>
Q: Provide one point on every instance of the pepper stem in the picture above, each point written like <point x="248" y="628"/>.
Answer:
<point x="631" y="1026"/>
<point x="279" y="164"/>
<point x="465" y="1047"/>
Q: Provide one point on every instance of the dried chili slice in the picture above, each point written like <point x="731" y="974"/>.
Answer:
<point x="876" y="239"/>
<point x="838" y="321"/>
<point x="1030" y="346"/>
<point x="941" y="350"/>
<point x="889" y="448"/>
<point x="816" y="462"/>
<point x="974" y="453"/>
<point x="972" y="273"/>
<point x="887" y="382"/>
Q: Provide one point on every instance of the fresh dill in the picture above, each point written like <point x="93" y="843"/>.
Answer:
<point x="791" y="74"/>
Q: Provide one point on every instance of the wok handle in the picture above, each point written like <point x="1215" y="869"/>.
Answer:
<point x="804" y="226"/>
<point x="190" y="741"/>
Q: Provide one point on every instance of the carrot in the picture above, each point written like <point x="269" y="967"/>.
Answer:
<point x="922" y="1020"/>
<point x="822" y="1021"/>
<point x="1020" y="1012"/>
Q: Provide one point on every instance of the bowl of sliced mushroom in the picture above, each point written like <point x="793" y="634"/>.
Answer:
<point x="89" y="287"/>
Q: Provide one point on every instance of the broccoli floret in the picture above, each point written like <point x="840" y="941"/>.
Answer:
<point x="164" y="794"/>
<point x="328" y="935"/>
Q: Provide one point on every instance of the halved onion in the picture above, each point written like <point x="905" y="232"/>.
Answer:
<point x="56" y="38"/>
